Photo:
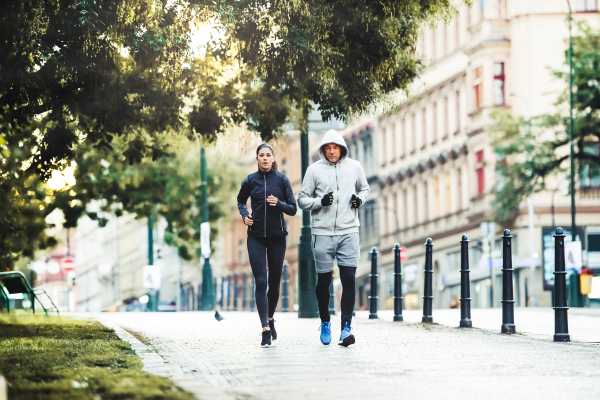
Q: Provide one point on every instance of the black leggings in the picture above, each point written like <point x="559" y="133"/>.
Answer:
<point x="347" y="275"/>
<point x="259" y="250"/>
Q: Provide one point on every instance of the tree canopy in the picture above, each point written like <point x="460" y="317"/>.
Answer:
<point x="344" y="55"/>
<point x="532" y="151"/>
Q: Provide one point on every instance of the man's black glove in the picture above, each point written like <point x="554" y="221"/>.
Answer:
<point x="356" y="201"/>
<point x="327" y="200"/>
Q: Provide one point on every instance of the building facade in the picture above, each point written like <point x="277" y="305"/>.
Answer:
<point x="437" y="166"/>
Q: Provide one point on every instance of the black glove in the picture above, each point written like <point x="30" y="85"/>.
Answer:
<point x="356" y="201"/>
<point x="327" y="200"/>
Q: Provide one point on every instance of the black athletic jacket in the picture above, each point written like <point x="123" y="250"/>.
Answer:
<point x="268" y="219"/>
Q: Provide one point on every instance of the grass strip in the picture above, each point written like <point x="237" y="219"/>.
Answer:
<point x="52" y="357"/>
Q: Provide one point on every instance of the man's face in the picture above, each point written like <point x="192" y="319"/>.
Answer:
<point x="333" y="152"/>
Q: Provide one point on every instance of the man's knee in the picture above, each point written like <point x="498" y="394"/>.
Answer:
<point x="347" y="275"/>
<point x="324" y="280"/>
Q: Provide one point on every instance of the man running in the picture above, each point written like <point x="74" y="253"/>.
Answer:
<point x="333" y="189"/>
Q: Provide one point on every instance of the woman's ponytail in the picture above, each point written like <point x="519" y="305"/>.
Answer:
<point x="274" y="166"/>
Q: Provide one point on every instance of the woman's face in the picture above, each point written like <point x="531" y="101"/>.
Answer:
<point x="265" y="159"/>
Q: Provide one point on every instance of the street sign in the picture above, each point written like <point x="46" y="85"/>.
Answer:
<point x="205" y="239"/>
<point x="68" y="263"/>
<point x="573" y="256"/>
<point x="403" y="254"/>
<point x="151" y="277"/>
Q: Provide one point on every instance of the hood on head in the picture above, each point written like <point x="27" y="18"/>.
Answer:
<point x="332" y="136"/>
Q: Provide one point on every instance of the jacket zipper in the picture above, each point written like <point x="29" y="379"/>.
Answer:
<point x="337" y="197"/>
<point x="265" y="180"/>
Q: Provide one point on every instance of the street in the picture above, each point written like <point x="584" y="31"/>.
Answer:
<point x="223" y="360"/>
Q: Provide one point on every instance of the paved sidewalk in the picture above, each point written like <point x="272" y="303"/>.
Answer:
<point x="584" y="323"/>
<point x="223" y="360"/>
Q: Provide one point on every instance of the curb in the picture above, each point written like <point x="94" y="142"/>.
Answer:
<point x="153" y="363"/>
<point x="156" y="365"/>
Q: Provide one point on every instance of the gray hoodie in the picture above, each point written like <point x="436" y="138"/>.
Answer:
<point x="344" y="179"/>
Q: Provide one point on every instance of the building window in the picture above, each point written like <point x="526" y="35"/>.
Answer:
<point x="480" y="172"/>
<point x="499" y="84"/>
<point x="405" y="208"/>
<point x="459" y="189"/>
<point x="436" y="197"/>
<point x="284" y="166"/>
<point x="403" y="137"/>
<point x="383" y="147"/>
<point x="393" y="133"/>
<point x="478" y="86"/>
<point x="457" y="33"/>
<point x="414" y="132"/>
<point x="457" y="111"/>
<point x="589" y="171"/>
<point x="445" y="120"/>
<point x="586" y="5"/>
<point x="435" y="123"/>
<point x="241" y="252"/>
<point x="433" y="52"/>
<point x="424" y="129"/>
<point x="445" y="44"/>
<point x="394" y="211"/>
<point x="416" y="205"/>
<point x="386" y="226"/>
<point x="447" y="194"/>
<point x="425" y="202"/>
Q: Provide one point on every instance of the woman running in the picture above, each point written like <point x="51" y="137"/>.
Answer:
<point x="271" y="196"/>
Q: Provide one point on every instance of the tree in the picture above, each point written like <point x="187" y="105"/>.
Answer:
<point x="168" y="187"/>
<point x="80" y="76"/>
<point x="76" y="71"/>
<point x="25" y="205"/>
<point x="532" y="151"/>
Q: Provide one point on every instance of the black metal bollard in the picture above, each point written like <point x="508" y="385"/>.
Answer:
<point x="230" y="292"/>
<point x="465" y="285"/>
<point x="235" y="291"/>
<point x="222" y="299"/>
<point x="244" y="290"/>
<point x="508" y="303"/>
<point x="284" y="288"/>
<point x="428" y="289"/>
<point x="561" y="324"/>
<point x="253" y="296"/>
<point x="397" y="285"/>
<point x="373" y="293"/>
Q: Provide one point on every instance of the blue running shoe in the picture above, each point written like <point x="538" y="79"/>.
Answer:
<point x="346" y="338"/>
<point x="325" y="329"/>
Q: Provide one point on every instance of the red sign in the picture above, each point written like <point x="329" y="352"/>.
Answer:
<point x="403" y="254"/>
<point x="68" y="263"/>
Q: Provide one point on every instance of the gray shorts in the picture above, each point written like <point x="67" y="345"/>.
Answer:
<point x="346" y="248"/>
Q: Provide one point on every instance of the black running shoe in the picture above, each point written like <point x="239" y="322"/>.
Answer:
<point x="273" y="331"/>
<point x="266" y="339"/>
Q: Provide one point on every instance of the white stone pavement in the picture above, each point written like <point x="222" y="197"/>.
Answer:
<point x="223" y="360"/>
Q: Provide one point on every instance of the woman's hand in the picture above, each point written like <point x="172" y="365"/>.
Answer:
<point x="272" y="200"/>
<point x="248" y="220"/>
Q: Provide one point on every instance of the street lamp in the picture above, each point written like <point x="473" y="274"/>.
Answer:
<point x="573" y="226"/>
<point x="307" y="274"/>
<point x="208" y="300"/>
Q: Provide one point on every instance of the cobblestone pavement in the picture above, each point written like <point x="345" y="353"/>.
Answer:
<point x="223" y="360"/>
